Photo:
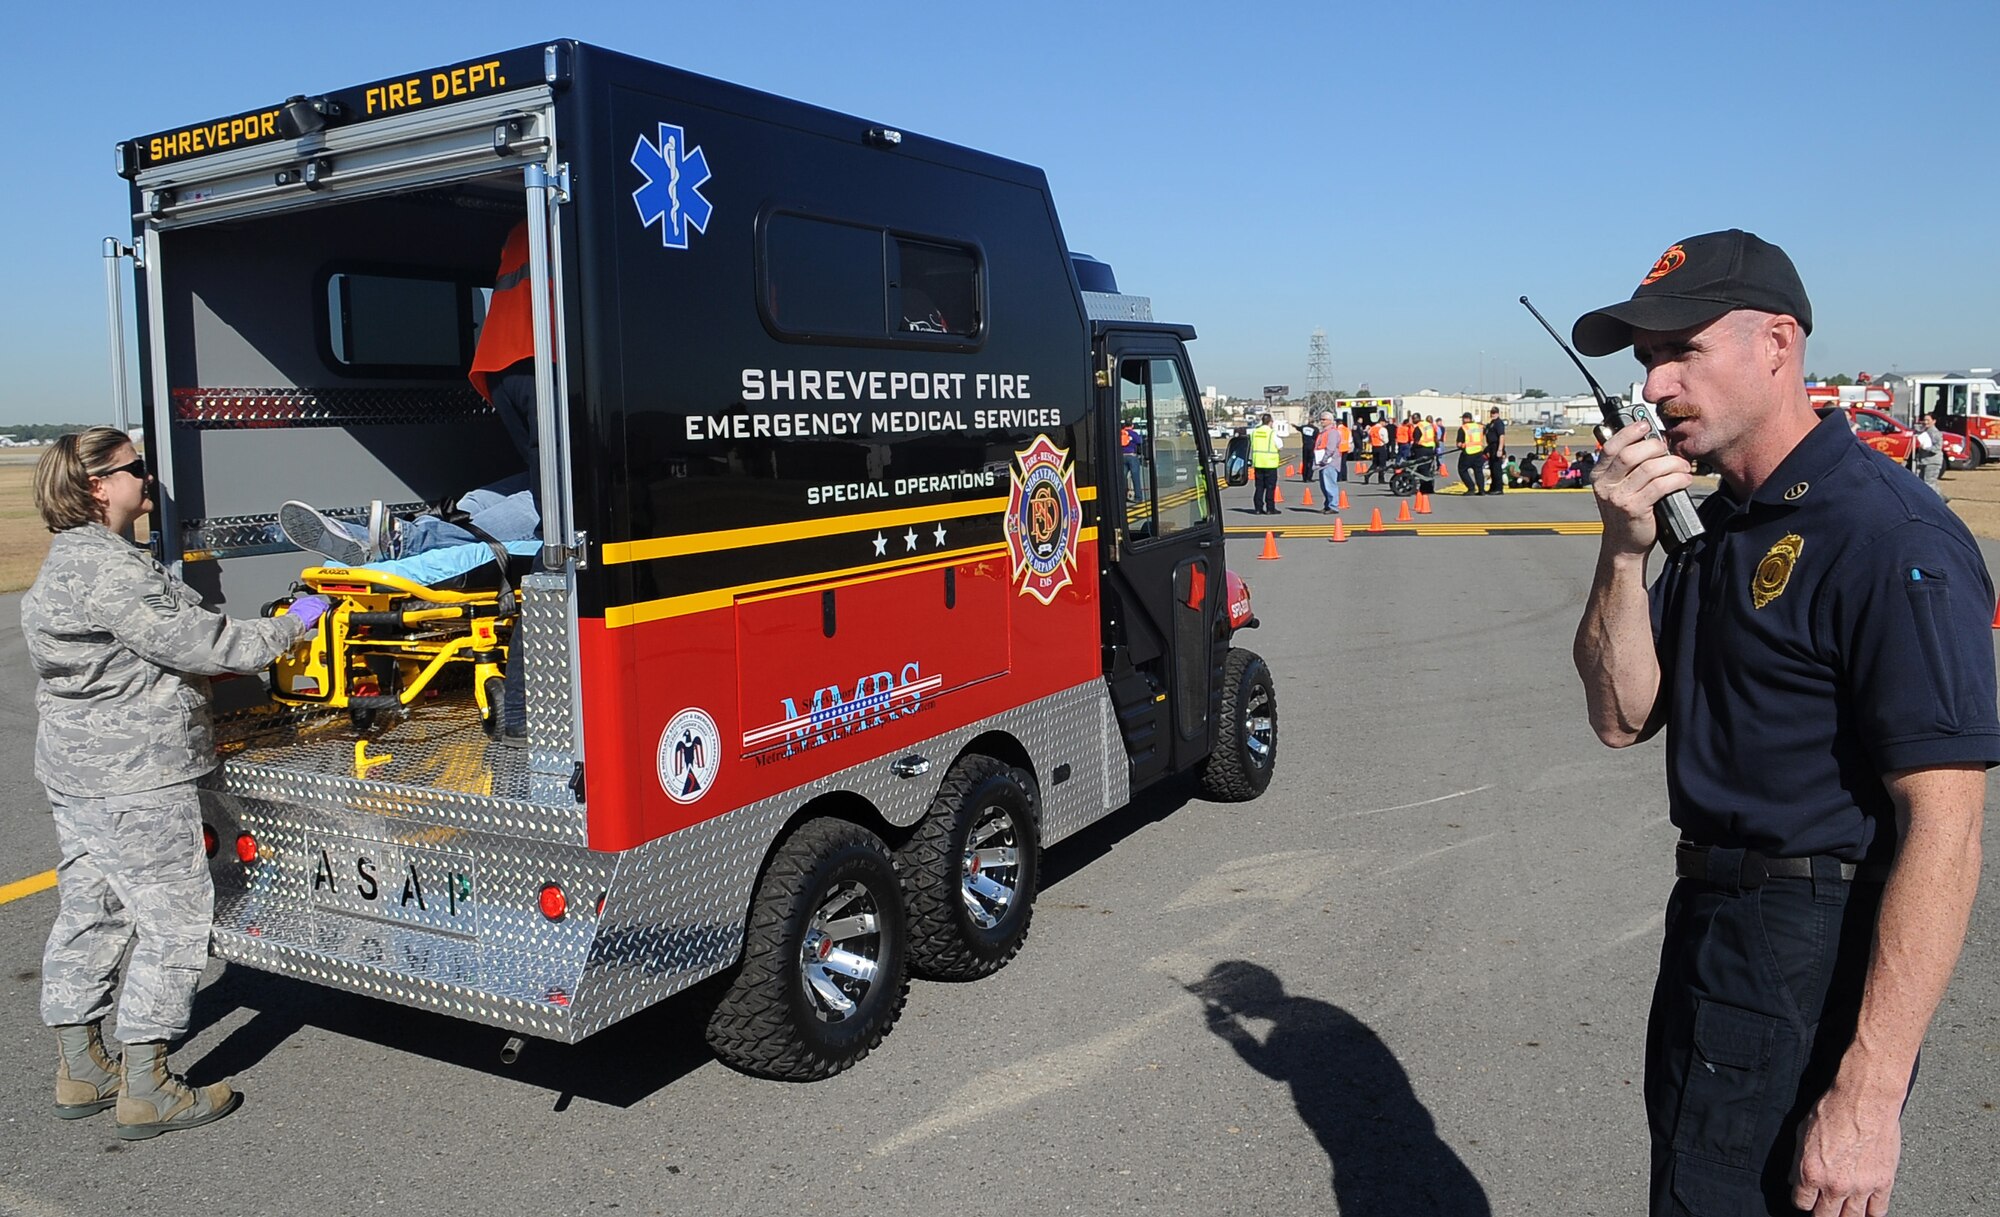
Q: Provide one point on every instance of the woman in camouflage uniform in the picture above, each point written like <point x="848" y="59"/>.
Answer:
<point x="124" y="651"/>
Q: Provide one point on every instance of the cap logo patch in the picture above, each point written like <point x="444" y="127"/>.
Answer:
<point x="1775" y="571"/>
<point x="1669" y="262"/>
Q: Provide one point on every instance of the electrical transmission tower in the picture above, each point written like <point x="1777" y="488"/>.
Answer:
<point x="1319" y="376"/>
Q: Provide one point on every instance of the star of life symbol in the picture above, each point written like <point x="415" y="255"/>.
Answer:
<point x="690" y="752"/>
<point x="672" y="193"/>
<point x="1043" y="515"/>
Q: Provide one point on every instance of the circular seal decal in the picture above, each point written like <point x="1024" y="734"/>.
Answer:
<point x="690" y="753"/>
<point x="1775" y="571"/>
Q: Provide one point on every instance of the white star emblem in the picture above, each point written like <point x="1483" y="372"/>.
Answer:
<point x="939" y="534"/>
<point x="881" y="545"/>
<point x="910" y="540"/>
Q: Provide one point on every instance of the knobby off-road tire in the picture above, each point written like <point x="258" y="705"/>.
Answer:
<point x="1402" y="483"/>
<point x="1246" y="733"/>
<point x="971" y="869"/>
<point x="824" y="970"/>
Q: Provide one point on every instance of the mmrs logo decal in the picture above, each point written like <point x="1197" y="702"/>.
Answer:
<point x="671" y="196"/>
<point x="1043" y="515"/>
<point x="690" y="753"/>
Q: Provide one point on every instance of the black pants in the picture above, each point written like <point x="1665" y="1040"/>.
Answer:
<point x="1472" y="471"/>
<point x="1426" y="458"/>
<point x="1267" y="485"/>
<point x="1378" y="466"/>
<point x="513" y="391"/>
<point x="1496" y="474"/>
<point x="1755" y="1003"/>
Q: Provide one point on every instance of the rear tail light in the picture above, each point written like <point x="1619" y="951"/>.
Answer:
<point x="208" y="841"/>
<point x="554" y="903"/>
<point x="246" y="847"/>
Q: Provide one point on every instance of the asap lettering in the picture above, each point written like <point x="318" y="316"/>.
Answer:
<point x="213" y="137"/>
<point x="394" y="95"/>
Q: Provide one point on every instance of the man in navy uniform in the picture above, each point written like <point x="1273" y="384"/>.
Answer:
<point x="1821" y="659"/>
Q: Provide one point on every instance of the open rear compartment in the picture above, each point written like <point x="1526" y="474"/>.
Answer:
<point x="320" y="355"/>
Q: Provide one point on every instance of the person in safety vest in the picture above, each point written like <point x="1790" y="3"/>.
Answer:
<point x="1327" y="462"/>
<point x="1264" y="464"/>
<point x="1425" y="451"/>
<point x="1472" y="454"/>
<point x="1405" y="436"/>
<point x="1346" y="445"/>
<point x="1135" y="466"/>
<point x="1378" y="449"/>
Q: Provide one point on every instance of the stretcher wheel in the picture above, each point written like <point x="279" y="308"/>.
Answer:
<point x="971" y="870"/>
<point x="1246" y="733"/>
<point x="496" y="693"/>
<point x="824" y="969"/>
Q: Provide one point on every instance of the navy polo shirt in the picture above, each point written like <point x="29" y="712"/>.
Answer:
<point x="1836" y="627"/>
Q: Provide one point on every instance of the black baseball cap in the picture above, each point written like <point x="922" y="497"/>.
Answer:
<point x="1693" y="283"/>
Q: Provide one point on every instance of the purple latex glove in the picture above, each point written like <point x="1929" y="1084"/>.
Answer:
<point x="309" y="609"/>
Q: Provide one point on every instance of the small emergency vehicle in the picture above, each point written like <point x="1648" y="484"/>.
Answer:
<point x="1894" y="439"/>
<point x="848" y="602"/>
<point x="1966" y="406"/>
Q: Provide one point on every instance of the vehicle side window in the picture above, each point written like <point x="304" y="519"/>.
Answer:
<point x="832" y="281"/>
<point x="1165" y="484"/>
<point x="400" y="325"/>
<point x="1871" y="423"/>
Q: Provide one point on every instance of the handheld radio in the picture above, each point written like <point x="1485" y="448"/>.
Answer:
<point x="1678" y="521"/>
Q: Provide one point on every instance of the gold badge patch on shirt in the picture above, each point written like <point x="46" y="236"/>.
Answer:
<point x="1775" y="570"/>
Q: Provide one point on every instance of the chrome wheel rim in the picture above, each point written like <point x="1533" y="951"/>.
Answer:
<point x="990" y="870"/>
<point x="842" y="954"/>
<point x="1260" y="728"/>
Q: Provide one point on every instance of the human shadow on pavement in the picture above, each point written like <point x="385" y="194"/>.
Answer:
<point x="1383" y="1145"/>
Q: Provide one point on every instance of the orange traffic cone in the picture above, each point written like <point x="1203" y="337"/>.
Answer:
<point x="1403" y="512"/>
<point x="1444" y="470"/>
<point x="1308" y="500"/>
<point x="1343" y="499"/>
<point x="1278" y="493"/>
<point x="1270" y="546"/>
<point x="1340" y="534"/>
<point x="1423" y="503"/>
<point x="1375" y="520"/>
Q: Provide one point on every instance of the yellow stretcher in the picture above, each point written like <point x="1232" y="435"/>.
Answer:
<point x="385" y="640"/>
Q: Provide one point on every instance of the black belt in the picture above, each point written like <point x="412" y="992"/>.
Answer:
<point x="1713" y="865"/>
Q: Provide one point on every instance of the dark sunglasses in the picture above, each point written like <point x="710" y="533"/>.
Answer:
<point x="137" y="468"/>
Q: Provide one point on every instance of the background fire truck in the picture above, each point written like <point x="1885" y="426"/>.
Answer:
<point x="1967" y="406"/>
<point x="847" y="603"/>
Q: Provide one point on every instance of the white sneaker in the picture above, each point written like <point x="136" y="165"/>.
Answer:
<point x="309" y="528"/>
<point x="378" y="530"/>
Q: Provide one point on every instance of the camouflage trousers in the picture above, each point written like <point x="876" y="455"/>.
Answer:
<point x="132" y="873"/>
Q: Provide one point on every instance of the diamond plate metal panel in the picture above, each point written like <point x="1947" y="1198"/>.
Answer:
<point x="442" y="768"/>
<point x="243" y="536"/>
<point x="673" y="911"/>
<point x="207" y="409"/>
<point x="542" y="640"/>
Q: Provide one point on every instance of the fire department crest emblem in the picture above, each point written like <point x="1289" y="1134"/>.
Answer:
<point x="1043" y="515"/>
<point x="690" y="752"/>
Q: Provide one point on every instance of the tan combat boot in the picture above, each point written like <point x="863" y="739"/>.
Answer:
<point x="156" y="1101"/>
<point x="86" y="1076"/>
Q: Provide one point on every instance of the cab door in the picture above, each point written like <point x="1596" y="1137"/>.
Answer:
<point x="1165" y="568"/>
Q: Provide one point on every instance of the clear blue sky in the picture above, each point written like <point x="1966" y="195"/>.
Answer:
<point x="1395" y="173"/>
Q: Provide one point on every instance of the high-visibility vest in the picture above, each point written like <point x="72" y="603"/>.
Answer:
<point x="1378" y="435"/>
<point x="1403" y="433"/>
<point x="1472" y="437"/>
<point x="1427" y="436"/>
<point x="1263" y="449"/>
<point x="508" y="334"/>
<point x="1346" y="438"/>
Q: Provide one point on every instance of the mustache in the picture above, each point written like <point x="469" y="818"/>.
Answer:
<point x="1678" y="413"/>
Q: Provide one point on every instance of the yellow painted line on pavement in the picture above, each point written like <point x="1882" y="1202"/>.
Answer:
<point x="28" y="887"/>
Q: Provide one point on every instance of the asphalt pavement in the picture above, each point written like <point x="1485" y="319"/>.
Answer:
<point x="1410" y="979"/>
